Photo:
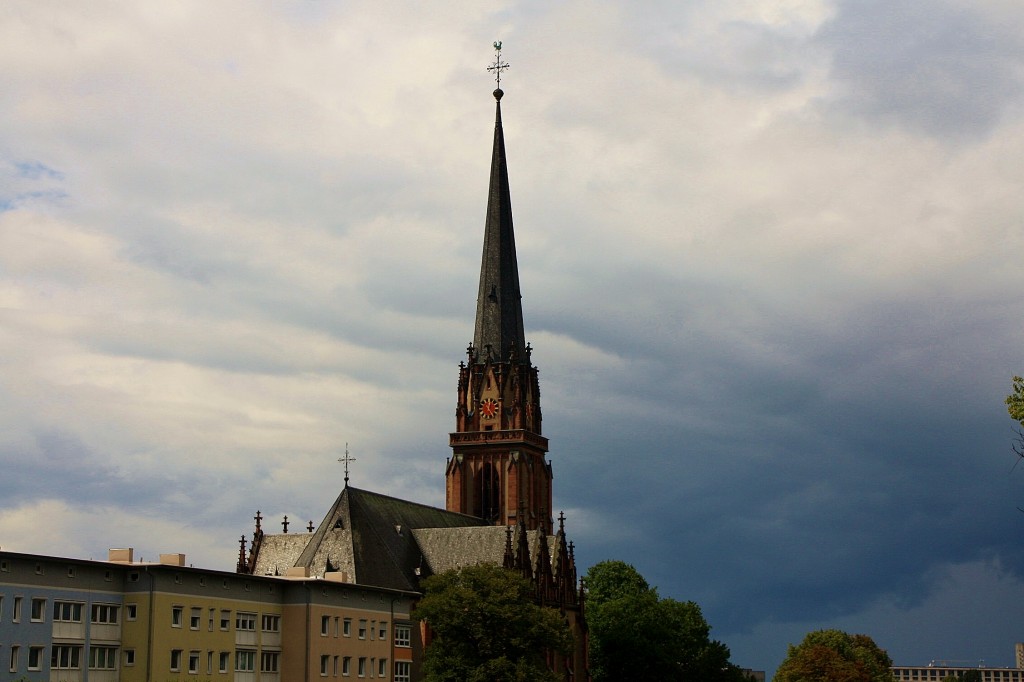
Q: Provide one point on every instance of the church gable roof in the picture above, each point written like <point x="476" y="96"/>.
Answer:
<point x="368" y="536"/>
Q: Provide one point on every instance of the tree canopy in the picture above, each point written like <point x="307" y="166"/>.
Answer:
<point x="1015" y="407"/>
<point x="835" y="656"/>
<point x="635" y="634"/>
<point x="488" y="628"/>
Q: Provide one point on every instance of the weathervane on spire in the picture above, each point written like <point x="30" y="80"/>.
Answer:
<point x="498" y="66"/>
<point x="346" y="459"/>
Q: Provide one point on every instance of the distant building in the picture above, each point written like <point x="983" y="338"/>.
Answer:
<point x="939" y="670"/>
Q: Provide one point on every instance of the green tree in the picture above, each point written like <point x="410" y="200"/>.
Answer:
<point x="835" y="656"/>
<point x="634" y="634"/>
<point x="1015" y="406"/>
<point x="488" y="628"/>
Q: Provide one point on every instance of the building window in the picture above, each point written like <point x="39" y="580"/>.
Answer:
<point x="209" y="662"/>
<point x="325" y="626"/>
<point x="224" y="658"/>
<point x="225" y="620"/>
<point x="63" y="611"/>
<point x="336" y="628"/>
<point x="362" y="666"/>
<point x="35" y="657"/>
<point x="195" y="618"/>
<point x="102" y="658"/>
<point x="175" y="660"/>
<point x="16" y="616"/>
<point x="65" y="657"/>
<point x="193" y="662"/>
<point x="269" y="661"/>
<point x="362" y="628"/>
<point x="403" y="671"/>
<point x="15" y="650"/>
<point x="382" y="667"/>
<point x="129" y="657"/>
<point x="373" y="629"/>
<point x="1" y="607"/>
<point x="271" y="623"/>
<point x="403" y="635"/>
<point x="176" y="616"/>
<point x="335" y="666"/>
<point x="325" y="662"/>
<point x="246" y="622"/>
<point x="382" y="630"/>
<point x="39" y="611"/>
<point x="131" y="611"/>
<point x="245" y="661"/>
<point x="346" y="666"/>
<point x="347" y="627"/>
<point x="213" y="613"/>
<point x="105" y="613"/>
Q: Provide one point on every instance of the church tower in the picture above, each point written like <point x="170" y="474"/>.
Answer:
<point x="498" y="471"/>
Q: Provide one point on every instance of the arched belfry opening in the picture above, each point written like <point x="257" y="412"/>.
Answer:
<point x="488" y="493"/>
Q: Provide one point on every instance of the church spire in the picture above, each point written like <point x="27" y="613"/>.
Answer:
<point x="498" y="470"/>
<point x="498" y="333"/>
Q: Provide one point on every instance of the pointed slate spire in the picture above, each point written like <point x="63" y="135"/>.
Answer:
<point x="499" y="311"/>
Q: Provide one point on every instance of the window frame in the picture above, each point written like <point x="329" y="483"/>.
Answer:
<point x="103" y="657"/>
<point x="37" y="614"/>
<point x="37" y="653"/>
<point x="66" y="611"/>
<point x="273" y="657"/>
<point x="102" y="613"/>
<point x="245" y="657"/>
<point x="403" y="635"/>
<point x="66" y="657"/>
<point x="270" y="622"/>
<point x="245" y="621"/>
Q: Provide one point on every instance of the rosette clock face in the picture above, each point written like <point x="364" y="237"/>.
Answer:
<point x="489" y="408"/>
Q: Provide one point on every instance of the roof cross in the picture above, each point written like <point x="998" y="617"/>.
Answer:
<point x="498" y="66"/>
<point x="346" y="459"/>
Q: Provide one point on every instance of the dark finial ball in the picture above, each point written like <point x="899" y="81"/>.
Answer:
<point x="497" y="94"/>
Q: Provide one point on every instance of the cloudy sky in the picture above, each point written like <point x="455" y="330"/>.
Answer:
<point x="769" y="252"/>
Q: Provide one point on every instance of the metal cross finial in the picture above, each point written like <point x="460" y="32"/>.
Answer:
<point x="346" y="459"/>
<point x="498" y="66"/>
<point x="285" y="523"/>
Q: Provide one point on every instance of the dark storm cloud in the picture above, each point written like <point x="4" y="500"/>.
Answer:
<point x="797" y="470"/>
<point x="941" y="67"/>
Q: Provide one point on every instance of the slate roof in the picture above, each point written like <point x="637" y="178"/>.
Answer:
<point x="375" y="539"/>
<point x="447" y="548"/>
<point x="365" y="535"/>
<point x="499" y="308"/>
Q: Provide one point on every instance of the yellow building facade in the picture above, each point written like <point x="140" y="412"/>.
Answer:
<point x="66" y="620"/>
